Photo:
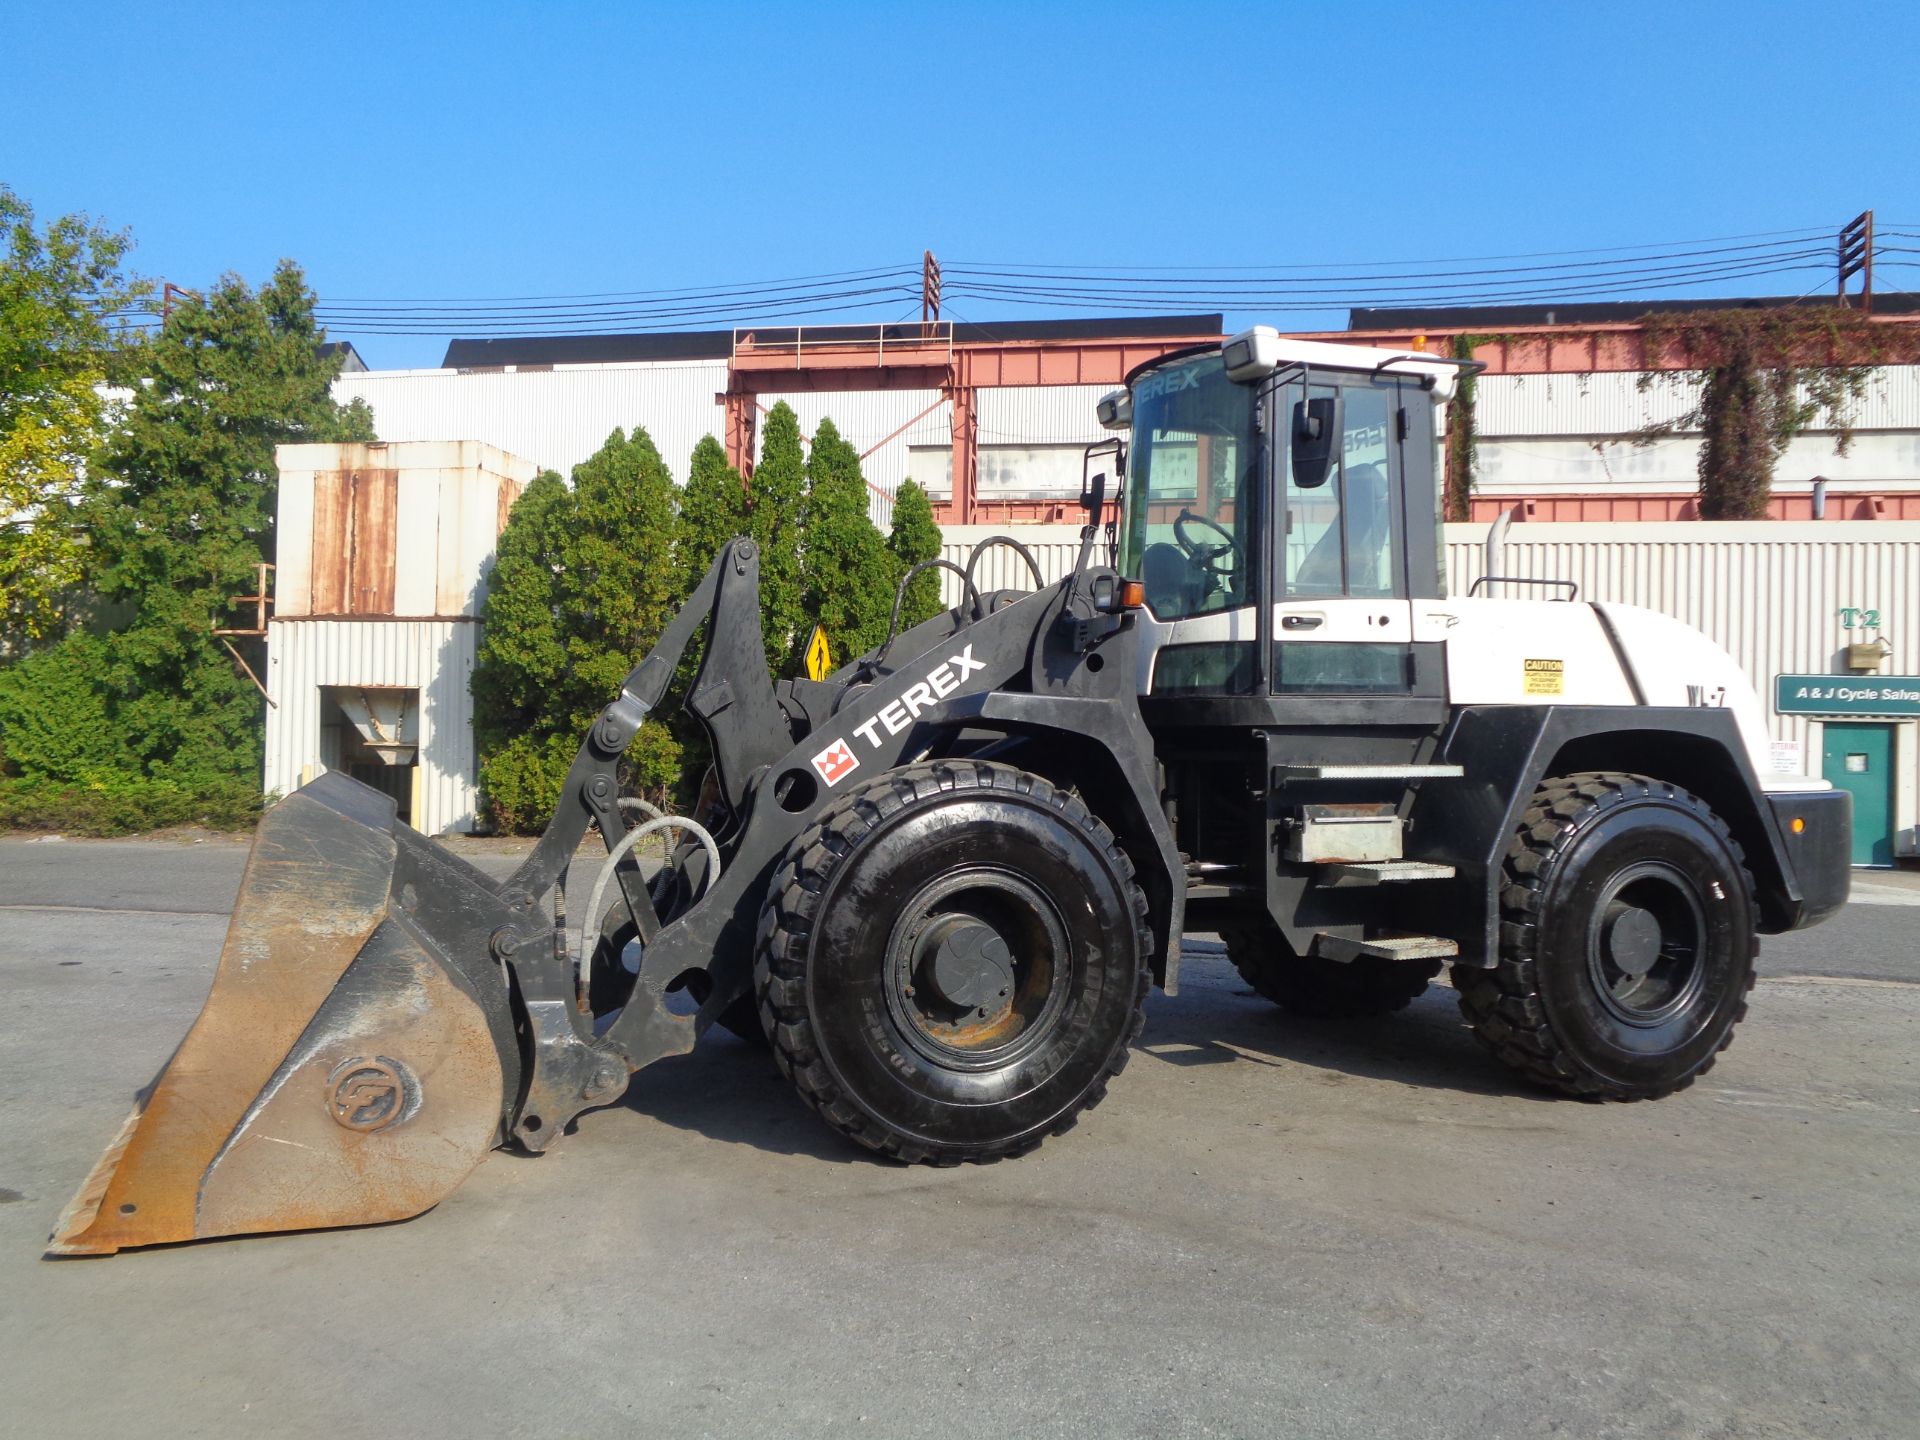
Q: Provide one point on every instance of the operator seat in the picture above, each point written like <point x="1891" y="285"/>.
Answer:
<point x="1170" y="579"/>
<point x="1367" y="530"/>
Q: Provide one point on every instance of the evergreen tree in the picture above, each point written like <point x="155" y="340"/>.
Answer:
<point x="914" y="538"/>
<point x="584" y="583"/>
<point x="183" y="512"/>
<point x="619" y="586"/>
<point x="522" y="659"/>
<point x="848" y="569"/>
<point x="713" y="510"/>
<point x="777" y="499"/>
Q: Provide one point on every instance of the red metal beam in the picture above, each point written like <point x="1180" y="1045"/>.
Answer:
<point x="1849" y="505"/>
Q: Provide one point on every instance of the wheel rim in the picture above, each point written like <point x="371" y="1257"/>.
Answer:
<point x="977" y="969"/>
<point x="1647" y="944"/>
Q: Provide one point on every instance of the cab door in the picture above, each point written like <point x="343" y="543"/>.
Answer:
<point x="1353" y="536"/>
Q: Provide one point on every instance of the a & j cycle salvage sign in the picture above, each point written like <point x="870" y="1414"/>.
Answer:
<point x="1846" y="694"/>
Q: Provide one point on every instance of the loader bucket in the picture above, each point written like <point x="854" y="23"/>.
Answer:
<point x="354" y="1058"/>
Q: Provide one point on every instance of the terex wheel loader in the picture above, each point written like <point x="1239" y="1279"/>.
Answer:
<point x="944" y="878"/>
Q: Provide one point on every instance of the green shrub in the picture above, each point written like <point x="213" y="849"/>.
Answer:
<point x="54" y="718"/>
<point x="521" y="781"/>
<point x="126" y="806"/>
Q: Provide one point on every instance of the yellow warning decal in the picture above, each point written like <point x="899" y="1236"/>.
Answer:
<point x="1544" y="677"/>
<point x="819" y="655"/>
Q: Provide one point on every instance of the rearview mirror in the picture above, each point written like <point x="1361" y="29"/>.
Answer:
<point x="1316" y="426"/>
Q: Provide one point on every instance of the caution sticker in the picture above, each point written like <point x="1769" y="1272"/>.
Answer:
<point x="1544" y="677"/>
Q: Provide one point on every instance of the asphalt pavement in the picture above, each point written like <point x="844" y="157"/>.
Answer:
<point x="1270" y="1228"/>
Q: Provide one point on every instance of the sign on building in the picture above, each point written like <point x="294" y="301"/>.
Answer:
<point x="1846" y="694"/>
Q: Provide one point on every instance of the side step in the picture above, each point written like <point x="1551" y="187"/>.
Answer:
<point x="1386" y="947"/>
<point x="1352" y="874"/>
<point x="1368" y="772"/>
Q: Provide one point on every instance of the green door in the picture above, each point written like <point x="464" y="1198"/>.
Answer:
<point x="1859" y="758"/>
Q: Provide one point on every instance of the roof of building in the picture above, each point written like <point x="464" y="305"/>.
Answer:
<point x="350" y="362"/>
<point x="542" y="350"/>
<point x="1597" y="312"/>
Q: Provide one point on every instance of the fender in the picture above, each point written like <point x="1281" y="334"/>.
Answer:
<point x="1507" y="750"/>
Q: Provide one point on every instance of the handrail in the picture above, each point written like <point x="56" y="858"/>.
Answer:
<point x="1573" y="590"/>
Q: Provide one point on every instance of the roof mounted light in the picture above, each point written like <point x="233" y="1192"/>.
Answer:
<point x="1252" y="354"/>
<point x="1115" y="411"/>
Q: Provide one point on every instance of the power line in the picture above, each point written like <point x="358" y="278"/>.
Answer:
<point x="1135" y="288"/>
<point x="1822" y="231"/>
<point x="634" y="294"/>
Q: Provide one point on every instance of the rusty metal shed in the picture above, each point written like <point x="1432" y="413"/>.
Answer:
<point x="384" y="552"/>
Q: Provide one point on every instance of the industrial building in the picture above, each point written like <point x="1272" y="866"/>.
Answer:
<point x="384" y="551"/>
<point x="1008" y="409"/>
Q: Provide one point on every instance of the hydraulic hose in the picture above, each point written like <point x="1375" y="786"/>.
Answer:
<point x="590" y="917"/>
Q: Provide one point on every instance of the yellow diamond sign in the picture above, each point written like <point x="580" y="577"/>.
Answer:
<point x="819" y="656"/>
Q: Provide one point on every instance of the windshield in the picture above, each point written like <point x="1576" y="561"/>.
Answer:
<point x="1190" y="489"/>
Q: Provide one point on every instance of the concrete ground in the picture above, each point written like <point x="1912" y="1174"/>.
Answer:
<point x="1271" y="1228"/>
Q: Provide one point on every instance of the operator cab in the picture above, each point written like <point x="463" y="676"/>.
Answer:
<point x="1298" y="473"/>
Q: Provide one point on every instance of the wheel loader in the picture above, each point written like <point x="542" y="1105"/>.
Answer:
<point x="942" y="880"/>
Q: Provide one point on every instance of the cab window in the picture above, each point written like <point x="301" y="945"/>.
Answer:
<point x="1191" y="490"/>
<point x="1341" y="537"/>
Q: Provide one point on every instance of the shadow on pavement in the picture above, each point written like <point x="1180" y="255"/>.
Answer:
<point x="1217" y="1021"/>
<point x="729" y="1090"/>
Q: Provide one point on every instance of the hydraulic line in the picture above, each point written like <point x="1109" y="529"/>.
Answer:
<point x="614" y="856"/>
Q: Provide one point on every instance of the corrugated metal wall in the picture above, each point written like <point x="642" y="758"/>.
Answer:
<point x="1615" y="403"/>
<point x="555" y="417"/>
<point x="435" y="657"/>
<point x="559" y="417"/>
<point x="1041" y="415"/>
<point x="1001" y="568"/>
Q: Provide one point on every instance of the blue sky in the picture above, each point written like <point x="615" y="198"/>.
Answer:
<point x="489" y="150"/>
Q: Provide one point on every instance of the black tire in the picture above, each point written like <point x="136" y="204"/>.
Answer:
<point x="1591" y="996"/>
<point x="890" y="900"/>
<point x="1317" y="988"/>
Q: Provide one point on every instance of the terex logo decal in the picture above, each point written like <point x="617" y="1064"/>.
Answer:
<point x="836" y="762"/>
<point x="1168" y="382"/>
<point x="941" y="682"/>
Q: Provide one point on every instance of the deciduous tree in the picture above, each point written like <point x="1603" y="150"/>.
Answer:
<point x="182" y="513"/>
<point x="61" y="286"/>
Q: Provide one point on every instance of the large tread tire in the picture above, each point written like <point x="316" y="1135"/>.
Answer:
<point x="1538" y="1009"/>
<point x="847" y="1059"/>
<point x="1317" y="988"/>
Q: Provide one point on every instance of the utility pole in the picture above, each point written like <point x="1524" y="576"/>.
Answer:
<point x="1856" y="258"/>
<point x="166" y="299"/>
<point x="929" y="289"/>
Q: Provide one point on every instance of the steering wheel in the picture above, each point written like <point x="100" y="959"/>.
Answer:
<point x="1205" y="556"/>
